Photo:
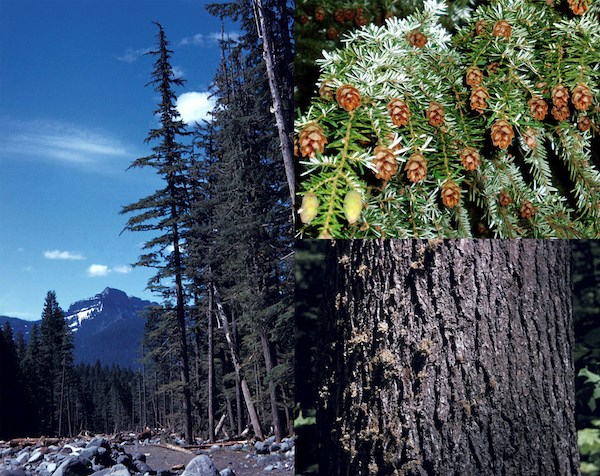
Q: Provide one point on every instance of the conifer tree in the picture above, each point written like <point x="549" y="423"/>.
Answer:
<point x="164" y="211"/>
<point x="56" y="350"/>
<point x="417" y="133"/>
<point x="11" y="389"/>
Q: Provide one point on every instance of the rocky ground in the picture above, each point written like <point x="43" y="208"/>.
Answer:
<point x="106" y="457"/>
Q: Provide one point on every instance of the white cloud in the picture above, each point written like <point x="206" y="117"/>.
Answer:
<point x="20" y="250"/>
<point x="132" y="55"/>
<point x="210" y="39"/>
<point x="66" y="255"/>
<point x="97" y="270"/>
<point x="195" y="106"/>
<point x="178" y="72"/>
<point x="122" y="269"/>
<point x="44" y="140"/>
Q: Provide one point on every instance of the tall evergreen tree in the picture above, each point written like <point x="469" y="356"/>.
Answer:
<point x="164" y="210"/>
<point x="11" y="390"/>
<point x="56" y="350"/>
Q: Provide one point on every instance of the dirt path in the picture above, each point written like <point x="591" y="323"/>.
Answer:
<point x="161" y="458"/>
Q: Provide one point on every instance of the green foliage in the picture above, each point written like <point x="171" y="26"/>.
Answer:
<point x="542" y="184"/>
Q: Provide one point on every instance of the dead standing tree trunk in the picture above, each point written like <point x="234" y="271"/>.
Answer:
<point x="283" y="127"/>
<point x="450" y="357"/>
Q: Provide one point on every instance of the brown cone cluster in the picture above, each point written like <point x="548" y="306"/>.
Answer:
<point x="581" y="97"/>
<point x="339" y="15"/>
<point x="505" y="199"/>
<point x="480" y="27"/>
<point x="470" y="158"/>
<point x="311" y="139"/>
<point x="332" y="33"/>
<point x="560" y="95"/>
<point x="360" y="19"/>
<point x="561" y="113"/>
<point x="320" y="14"/>
<point x="474" y="76"/>
<point x="416" y="38"/>
<point x="326" y="91"/>
<point x="478" y="98"/>
<point x="578" y="7"/>
<point x="348" y="97"/>
<point x="416" y="168"/>
<point x="450" y="194"/>
<point x="530" y="138"/>
<point x="502" y="28"/>
<point x="502" y="134"/>
<point x="435" y="113"/>
<point x="527" y="210"/>
<point x="399" y="112"/>
<point x="584" y="123"/>
<point x="385" y="162"/>
<point x="538" y="108"/>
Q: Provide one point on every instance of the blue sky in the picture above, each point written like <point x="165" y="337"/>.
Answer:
<point x="74" y="113"/>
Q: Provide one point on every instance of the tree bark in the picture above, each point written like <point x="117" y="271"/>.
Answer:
<point x="238" y="368"/>
<point x="448" y="358"/>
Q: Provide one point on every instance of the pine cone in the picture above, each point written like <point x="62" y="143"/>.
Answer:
<point x="361" y="19"/>
<point x="332" y="33"/>
<point x="474" y="76"/>
<point x="530" y="138"/>
<point x="480" y="27"/>
<point x="478" y="98"/>
<point x="527" y="210"/>
<point x="470" y="158"/>
<point x="304" y="19"/>
<point x="504" y="199"/>
<point x="416" y="168"/>
<point x="581" y="97"/>
<point x="339" y="15"/>
<point x="561" y="113"/>
<point x="538" y="108"/>
<point x="560" y="95"/>
<point x="435" y="113"/>
<point x="385" y="162"/>
<point x="399" y="112"/>
<point x="502" y="28"/>
<point x="493" y="67"/>
<point x="578" y="7"/>
<point x="320" y="14"/>
<point x="450" y="194"/>
<point x="326" y="91"/>
<point x="584" y="123"/>
<point x="353" y="205"/>
<point x="416" y="38"/>
<point x="348" y="97"/>
<point x="311" y="139"/>
<point x="349" y="14"/>
<point x="502" y="134"/>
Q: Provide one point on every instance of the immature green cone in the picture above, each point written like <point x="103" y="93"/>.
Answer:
<point x="353" y="206"/>
<point x="310" y="207"/>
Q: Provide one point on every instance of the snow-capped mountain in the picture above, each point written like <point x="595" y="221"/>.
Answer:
<point x="107" y="327"/>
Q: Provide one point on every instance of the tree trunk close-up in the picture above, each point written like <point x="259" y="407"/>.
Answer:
<point x="449" y="357"/>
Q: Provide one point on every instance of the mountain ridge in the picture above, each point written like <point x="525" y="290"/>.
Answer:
<point x="107" y="327"/>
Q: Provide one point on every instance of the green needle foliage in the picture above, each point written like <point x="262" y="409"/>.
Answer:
<point x="495" y="165"/>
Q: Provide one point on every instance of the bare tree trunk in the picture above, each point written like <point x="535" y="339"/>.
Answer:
<point x="238" y="407"/>
<point x="283" y="127"/>
<point x="238" y="369"/>
<point x="449" y="357"/>
<point x="62" y="394"/>
<point x="211" y="371"/>
<point x="264" y="339"/>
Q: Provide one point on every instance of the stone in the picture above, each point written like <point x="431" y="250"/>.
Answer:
<point x="285" y="446"/>
<point x="97" y="442"/>
<point x="139" y="457"/>
<point x="266" y="460"/>
<point x="214" y="448"/>
<point x="74" y="466"/>
<point x="143" y="467"/>
<point x="22" y="457"/>
<point x="275" y="447"/>
<point x="261" y="447"/>
<point x="227" y="472"/>
<point x="200" y="466"/>
<point x="118" y="470"/>
<point x="270" y="440"/>
<point x="36" y="456"/>
<point x="124" y="459"/>
<point x="269" y="468"/>
<point x="13" y="472"/>
<point x="237" y="447"/>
